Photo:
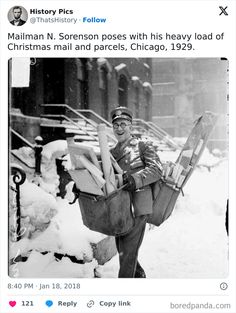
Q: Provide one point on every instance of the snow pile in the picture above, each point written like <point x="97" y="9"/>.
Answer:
<point x="55" y="149"/>
<point x="135" y="78"/>
<point x="109" y="270"/>
<point x="146" y="65"/>
<point x="207" y="159"/>
<point x="52" y="226"/>
<point x="48" y="224"/>
<point x="49" y="180"/>
<point x="46" y="266"/>
<point x="26" y="154"/>
<point x="192" y="243"/>
<point x="148" y="86"/>
<point x="120" y="67"/>
<point x="37" y="208"/>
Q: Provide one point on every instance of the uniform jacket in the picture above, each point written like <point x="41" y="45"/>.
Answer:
<point x="139" y="159"/>
<point x="21" y="22"/>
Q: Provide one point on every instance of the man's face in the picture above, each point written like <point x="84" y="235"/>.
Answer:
<point x="17" y="13"/>
<point x="122" y="129"/>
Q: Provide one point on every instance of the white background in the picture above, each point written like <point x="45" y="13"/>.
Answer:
<point x="124" y="17"/>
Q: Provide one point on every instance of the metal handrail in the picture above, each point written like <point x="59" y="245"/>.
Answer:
<point x="61" y="116"/>
<point x="21" y="160"/>
<point x="158" y="128"/>
<point x="66" y="106"/>
<point x="160" y="134"/>
<point x="27" y="143"/>
<point x="158" y="131"/>
<point x="148" y="127"/>
<point x="22" y="138"/>
<point x="95" y="114"/>
<point x="19" y="177"/>
<point x="37" y="148"/>
<point x="166" y="135"/>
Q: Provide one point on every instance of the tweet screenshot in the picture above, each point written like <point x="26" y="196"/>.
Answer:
<point x="117" y="156"/>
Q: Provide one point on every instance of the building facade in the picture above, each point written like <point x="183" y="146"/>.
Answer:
<point x="184" y="88"/>
<point x="170" y="92"/>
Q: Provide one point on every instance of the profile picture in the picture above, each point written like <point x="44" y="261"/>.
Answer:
<point x="17" y="16"/>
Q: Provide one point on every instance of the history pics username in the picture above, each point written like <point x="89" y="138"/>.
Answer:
<point x="54" y="12"/>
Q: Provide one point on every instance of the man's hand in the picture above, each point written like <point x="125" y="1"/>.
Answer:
<point x="129" y="181"/>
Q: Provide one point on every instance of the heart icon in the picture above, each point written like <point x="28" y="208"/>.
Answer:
<point x="12" y="303"/>
<point x="49" y="303"/>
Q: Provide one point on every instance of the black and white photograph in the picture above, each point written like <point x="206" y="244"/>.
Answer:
<point x="17" y="15"/>
<point x="118" y="168"/>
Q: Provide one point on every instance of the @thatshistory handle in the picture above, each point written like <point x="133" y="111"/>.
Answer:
<point x="51" y="12"/>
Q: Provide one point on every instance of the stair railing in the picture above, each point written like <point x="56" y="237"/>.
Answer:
<point x="61" y="116"/>
<point x="158" y="132"/>
<point x="19" y="177"/>
<point x="77" y="114"/>
<point x="100" y="118"/>
<point x="165" y="134"/>
<point x="22" y="138"/>
<point x="37" y="151"/>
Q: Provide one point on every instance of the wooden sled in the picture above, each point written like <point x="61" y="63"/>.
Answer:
<point x="165" y="195"/>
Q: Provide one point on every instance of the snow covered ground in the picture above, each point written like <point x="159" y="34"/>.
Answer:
<point x="192" y="243"/>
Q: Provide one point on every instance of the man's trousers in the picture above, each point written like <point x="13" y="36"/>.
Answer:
<point x="128" y="246"/>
